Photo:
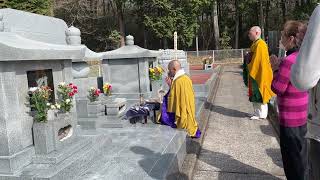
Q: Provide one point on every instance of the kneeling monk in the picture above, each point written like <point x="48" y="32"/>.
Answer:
<point x="178" y="108"/>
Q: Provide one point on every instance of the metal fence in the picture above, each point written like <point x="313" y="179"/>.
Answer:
<point x="224" y="56"/>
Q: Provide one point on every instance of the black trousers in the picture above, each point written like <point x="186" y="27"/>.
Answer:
<point x="314" y="159"/>
<point x="294" y="152"/>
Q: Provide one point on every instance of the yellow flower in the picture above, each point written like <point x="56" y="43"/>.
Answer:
<point x="151" y="70"/>
<point x="160" y="69"/>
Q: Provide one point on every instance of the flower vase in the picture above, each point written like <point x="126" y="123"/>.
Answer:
<point x="51" y="115"/>
<point x="95" y="109"/>
<point x="109" y="97"/>
<point x="156" y="86"/>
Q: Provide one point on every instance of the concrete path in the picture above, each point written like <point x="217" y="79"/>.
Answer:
<point x="235" y="147"/>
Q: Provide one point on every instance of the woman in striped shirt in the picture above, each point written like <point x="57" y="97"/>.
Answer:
<point x="293" y="106"/>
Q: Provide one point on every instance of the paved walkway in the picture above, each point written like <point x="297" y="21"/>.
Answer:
<point x="235" y="147"/>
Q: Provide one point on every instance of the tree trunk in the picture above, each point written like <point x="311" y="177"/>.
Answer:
<point x="219" y="9"/>
<point x="145" y="37"/>
<point x="121" y="28"/>
<point x="215" y="25"/>
<point x="284" y="10"/>
<point x="165" y="43"/>
<point x="237" y="25"/>
<point x="261" y="18"/>
<point x="202" y="30"/>
<point x="267" y="15"/>
<point x="240" y="28"/>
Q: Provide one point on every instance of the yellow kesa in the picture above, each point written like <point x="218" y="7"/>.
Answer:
<point x="260" y="69"/>
<point x="181" y="102"/>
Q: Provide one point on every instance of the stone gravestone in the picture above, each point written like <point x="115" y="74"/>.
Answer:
<point x="92" y="115"/>
<point x="171" y="54"/>
<point x="80" y="72"/>
<point x="273" y="42"/>
<point x="127" y="69"/>
<point x="34" y="53"/>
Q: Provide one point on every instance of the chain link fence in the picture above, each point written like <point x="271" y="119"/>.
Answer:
<point x="225" y="56"/>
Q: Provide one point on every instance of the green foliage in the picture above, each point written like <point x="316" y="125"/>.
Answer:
<point x="39" y="101"/>
<point x="304" y="11"/>
<point x="43" y="7"/>
<point x="169" y="16"/>
<point x="114" y="39"/>
<point x="65" y="95"/>
<point x="225" y="41"/>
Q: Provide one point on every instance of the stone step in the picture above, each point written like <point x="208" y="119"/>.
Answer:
<point x="70" y="167"/>
<point x="100" y="122"/>
<point x="156" y="157"/>
<point x="173" y="157"/>
<point x="57" y="156"/>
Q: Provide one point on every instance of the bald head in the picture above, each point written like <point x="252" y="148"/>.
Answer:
<point x="254" y="33"/>
<point x="174" y="66"/>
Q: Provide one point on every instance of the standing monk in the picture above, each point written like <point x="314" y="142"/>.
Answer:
<point x="259" y="75"/>
<point x="179" y="103"/>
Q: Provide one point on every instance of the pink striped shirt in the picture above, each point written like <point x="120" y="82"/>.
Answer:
<point x="292" y="103"/>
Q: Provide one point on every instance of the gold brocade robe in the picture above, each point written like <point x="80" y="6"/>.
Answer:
<point x="181" y="102"/>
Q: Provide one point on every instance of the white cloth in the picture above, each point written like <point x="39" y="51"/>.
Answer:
<point x="260" y="110"/>
<point x="305" y="74"/>
<point x="178" y="74"/>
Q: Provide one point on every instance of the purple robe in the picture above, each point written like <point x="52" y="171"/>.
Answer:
<point x="168" y="118"/>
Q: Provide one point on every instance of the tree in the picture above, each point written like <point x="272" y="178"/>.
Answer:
<point x="168" y="16"/>
<point x="237" y="24"/>
<point x="97" y="25"/>
<point x="284" y="10"/>
<point x="261" y="18"/>
<point x="216" y="25"/>
<point x="118" y="8"/>
<point x="43" y="7"/>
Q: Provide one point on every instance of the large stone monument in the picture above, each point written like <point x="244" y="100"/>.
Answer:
<point x="171" y="54"/>
<point x="34" y="52"/>
<point x="127" y="68"/>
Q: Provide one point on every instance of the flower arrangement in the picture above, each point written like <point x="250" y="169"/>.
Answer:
<point x="93" y="94"/>
<point x="155" y="73"/>
<point x="65" y="94"/>
<point x="107" y="88"/>
<point x="39" y="100"/>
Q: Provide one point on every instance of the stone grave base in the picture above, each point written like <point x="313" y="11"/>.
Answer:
<point x="140" y="151"/>
<point x="101" y="122"/>
<point x="65" y="164"/>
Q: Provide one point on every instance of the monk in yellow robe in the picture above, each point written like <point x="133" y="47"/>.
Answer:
<point x="181" y="100"/>
<point x="259" y="74"/>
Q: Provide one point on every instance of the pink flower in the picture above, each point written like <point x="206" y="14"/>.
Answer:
<point x="71" y="94"/>
<point x="97" y="92"/>
<point x="75" y="91"/>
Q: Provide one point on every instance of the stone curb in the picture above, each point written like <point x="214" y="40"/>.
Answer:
<point x="194" y="145"/>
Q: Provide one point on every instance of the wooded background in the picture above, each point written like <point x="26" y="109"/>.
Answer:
<point x="220" y="24"/>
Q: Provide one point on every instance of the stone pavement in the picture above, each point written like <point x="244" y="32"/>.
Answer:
<point x="235" y="147"/>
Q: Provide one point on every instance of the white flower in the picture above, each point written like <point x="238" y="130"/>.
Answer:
<point x="58" y="106"/>
<point x="62" y="84"/>
<point x="68" y="100"/>
<point x="33" y="89"/>
<point x="48" y="104"/>
<point x="53" y="107"/>
<point x="92" y="88"/>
